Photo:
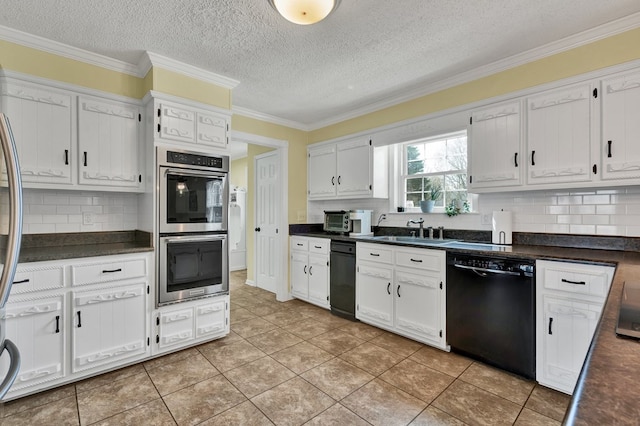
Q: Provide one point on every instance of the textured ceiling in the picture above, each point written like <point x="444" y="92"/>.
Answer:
<point x="363" y="53"/>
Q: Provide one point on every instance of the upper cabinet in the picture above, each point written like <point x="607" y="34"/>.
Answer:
<point x="621" y="127"/>
<point x="108" y="135"/>
<point x="559" y="135"/>
<point x="192" y="125"/>
<point x="494" y="146"/>
<point x="42" y="121"/>
<point x="346" y="170"/>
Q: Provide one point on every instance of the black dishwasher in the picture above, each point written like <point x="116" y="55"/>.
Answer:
<point x="342" y="279"/>
<point x="491" y="310"/>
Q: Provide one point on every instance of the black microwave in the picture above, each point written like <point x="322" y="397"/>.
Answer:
<point x="336" y="221"/>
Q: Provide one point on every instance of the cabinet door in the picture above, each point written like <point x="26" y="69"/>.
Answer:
<point x="566" y="329"/>
<point x="176" y="123"/>
<point x="374" y="297"/>
<point x="354" y="168"/>
<point x="211" y="319"/>
<point x="175" y="328"/>
<point x="621" y="127"/>
<point x="299" y="275"/>
<point x="108" y="136"/>
<point x="559" y="136"/>
<point x="321" y="169"/>
<point x="42" y="123"/>
<point x="211" y="130"/>
<point x="108" y="326"/>
<point x="37" y="329"/>
<point x="319" y="280"/>
<point x="418" y="305"/>
<point x="494" y="146"/>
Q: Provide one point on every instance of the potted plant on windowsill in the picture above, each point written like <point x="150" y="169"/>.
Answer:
<point x="435" y="192"/>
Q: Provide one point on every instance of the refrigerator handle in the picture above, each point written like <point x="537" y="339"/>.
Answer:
<point x="15" y="209"/>
<point x="14" y="353"/>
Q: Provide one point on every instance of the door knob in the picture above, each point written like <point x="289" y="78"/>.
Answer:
<point x="257" y="229"/>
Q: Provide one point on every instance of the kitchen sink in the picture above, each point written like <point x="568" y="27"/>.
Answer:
<point x="413" y="240"/>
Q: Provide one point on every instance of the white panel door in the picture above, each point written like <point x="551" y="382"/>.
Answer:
<point x="299" y="275"/>
<point x="267" y="186"/>
<point x="108" y="136"/>
<point x="621" y="127"/>
<point x="418" y="305"/>
<point x="108" y="326"/>
<point x="319" y="279"/>
<point x="354" y="168"/>
<point x="211" y="130"/>
<point x="559" y="136"/>
<point x="494" y="146"/>
<point x="175" y="122"/>
<point x="42" y="123"/>
<point x="374" y="296"/>
<point x="321" y="172"/>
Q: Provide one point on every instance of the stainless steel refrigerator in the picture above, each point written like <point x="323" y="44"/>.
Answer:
<point x="13" y="239"/>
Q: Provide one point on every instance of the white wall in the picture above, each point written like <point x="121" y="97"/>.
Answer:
<point x="49" y="211"/>
<point x="614" y="211"/>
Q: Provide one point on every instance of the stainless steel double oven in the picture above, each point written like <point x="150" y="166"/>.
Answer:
<point x="193" y="195"/>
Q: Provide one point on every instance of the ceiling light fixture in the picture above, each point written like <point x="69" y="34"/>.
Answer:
<point x="304" y="12"/>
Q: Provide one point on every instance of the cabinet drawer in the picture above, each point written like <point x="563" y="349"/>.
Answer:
<point x="591" y="280"/>
<point x="108" y="271"/>
<point x="421" y="259"/>
<point x="299" y="244"/>
<point x="33" y="277"/>
<point x="319" y="245"/>
<point x="374" y="253"/>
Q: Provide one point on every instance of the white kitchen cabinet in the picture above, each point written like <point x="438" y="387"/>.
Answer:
<point x="42" y="120"/>
<point x="621" y="127"/>
<point x="192" y="125"/>
<point x="310" y="269"/>
<point x="177" y="326"/>
<point x="559" y="135"/>
<point x="569" y="300"/>
<point x="494" y="146"/>
<point x="109" y="134"/>
<point x="345" y="170"/>
<point x="109" y="326"/>
<point x="36" y="326"/>
<point x="402" y="290"/>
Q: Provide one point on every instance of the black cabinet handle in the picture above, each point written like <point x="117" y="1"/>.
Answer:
<point x="533" y="158"/>
<point x="79" y="320"/>
<point x="305" y="269"/>
<point x="595" y="169"/>
<point x="66" y="157"/>
<point x="310" y="268"/>
<point x="111" y="271"/>
<point x="21" y="281"/>
<point x="257" y="229"/>
<point x="374" y="254"/>
<point x="417" y="260"/>
<point x="515" y="159"/>
<point x="318" y="247"/>
<point x="398" y="290"/>
<point x="299" y="244"/>
<point x="550" y="322"/>
<point x="57" y="323"/>
<point x="85" y="158"/>
<point x="609" y="148"/>
<point x="333" y="180"/>
<point x="389" y="288"/>
<point x="339" y="179"/>
<point x="573" y="282"/>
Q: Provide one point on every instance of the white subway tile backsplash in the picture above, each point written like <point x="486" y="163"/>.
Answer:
<point x="613" y="209"/>
<point x="41" y="228"/>
<point x="570" y="199"/>
<point x="582" y="229"/>
<point x="42" y="209"/>
<point x="594" y="219"/>
<point x="55" y="218"/>
<point x="552" y="210"/>
<point x="81" y="200"/>
<point x="610" y="230"/>
<point x="68" y="210"/>
<point x="569" y="218"/>
<point x="68" y="227"/>
<point x="56" y="199"/>
<point x="582" y="209"/>
<point x="596" y="199"/>
<point x="557" y="229"/>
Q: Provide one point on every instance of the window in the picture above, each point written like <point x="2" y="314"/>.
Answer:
<point x="435" y="168"/>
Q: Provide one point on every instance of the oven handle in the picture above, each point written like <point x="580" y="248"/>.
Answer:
<point x="192" y="172"/>
<point x="483" y="271"/>
<point x="195" y="239"/>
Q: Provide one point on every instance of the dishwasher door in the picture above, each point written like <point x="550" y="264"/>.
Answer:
<point x="491" y="313"/>
<point x="342" y="279"/>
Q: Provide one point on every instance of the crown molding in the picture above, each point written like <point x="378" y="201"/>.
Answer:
<point x="60" y="49"/>
<point x="150" y="59"/>
<point x="246" y="112"/>
<point x="428" y="87"/>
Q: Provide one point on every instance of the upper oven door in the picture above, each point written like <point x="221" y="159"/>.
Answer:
<point x="192" y="200"/>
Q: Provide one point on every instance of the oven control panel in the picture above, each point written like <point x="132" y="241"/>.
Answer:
<point x="194" y="160"/>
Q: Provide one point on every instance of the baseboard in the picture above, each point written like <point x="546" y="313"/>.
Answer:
<point x="250" y="282"/>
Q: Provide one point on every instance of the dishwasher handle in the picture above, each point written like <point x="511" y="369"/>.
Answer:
<point x="483" y="272"/>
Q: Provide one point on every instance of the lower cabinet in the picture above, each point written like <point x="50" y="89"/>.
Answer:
<point x="190" y="322"/>
<point x="570" y="298"/>
<point x="109" y="326"/>
<point x="402" y="290"/>
<point x="310" y="269"/>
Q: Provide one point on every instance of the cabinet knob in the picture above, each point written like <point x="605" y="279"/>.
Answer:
<point x="257" y="229"/>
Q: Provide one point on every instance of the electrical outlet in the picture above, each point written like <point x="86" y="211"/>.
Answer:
<point x="486" y="218"/>
<point x="87" y="218"/>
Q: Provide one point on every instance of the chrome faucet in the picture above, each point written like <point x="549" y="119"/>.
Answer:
<point x="418" y="222"/>
<point x="441" y="229"/>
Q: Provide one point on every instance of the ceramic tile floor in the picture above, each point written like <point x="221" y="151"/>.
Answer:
<point x="291" y="364"/>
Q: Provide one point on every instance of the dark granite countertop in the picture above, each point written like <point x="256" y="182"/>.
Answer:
<point x="607" y="391"/>
<point x="41" y="247"/>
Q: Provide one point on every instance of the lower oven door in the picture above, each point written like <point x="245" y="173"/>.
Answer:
<point x="191" y="267"/>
